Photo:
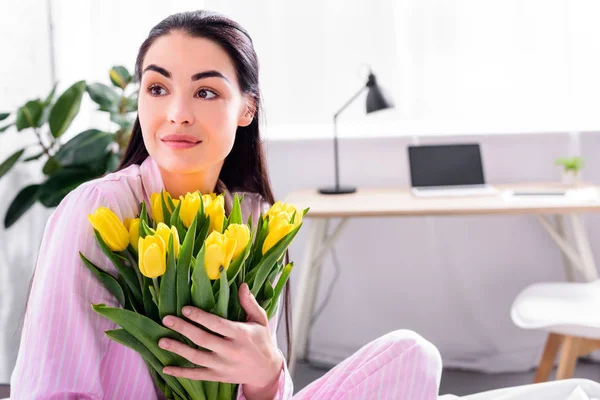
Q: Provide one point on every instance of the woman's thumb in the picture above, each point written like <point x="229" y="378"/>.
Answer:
<point x="254" y="311"/>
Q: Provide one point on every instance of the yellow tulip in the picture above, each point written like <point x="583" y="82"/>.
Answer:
<point x="240" y="233"/>
<point x="111" y="229"/>
<point x="152" y="256"/>
<point x="280" y="230"/>
<point x="134" y="232"/>
<point x="219" y="252"/>
<point x="190" y="204"/>
<point x="215" y="209"/>
<point x="286" y="208"/>
<point x="164" y="232"/>
<point x="156" y="206"/>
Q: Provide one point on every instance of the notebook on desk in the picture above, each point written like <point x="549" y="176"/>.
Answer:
<point x="447" y="170"/>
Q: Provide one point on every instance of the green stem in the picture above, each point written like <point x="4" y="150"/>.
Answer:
<point x="46" y="149"/>
<point x="156" y="287"/>
<point x="134" y="266"/>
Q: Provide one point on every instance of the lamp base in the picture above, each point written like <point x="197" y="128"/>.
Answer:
<point x="338" y="190"/>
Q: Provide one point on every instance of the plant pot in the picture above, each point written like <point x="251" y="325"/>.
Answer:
<point x="570" y="178"/>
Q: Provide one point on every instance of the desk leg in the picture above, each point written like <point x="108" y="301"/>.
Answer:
<point x="577" y="258"/>
<point x="319" y="243"/>
<point x="583" y="246"/>
<point x="569" y="266"/>
<point x="306" y="291"/>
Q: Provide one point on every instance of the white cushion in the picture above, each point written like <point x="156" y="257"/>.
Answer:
<point x="554" y="390"/>
<point x="561" y="307"/>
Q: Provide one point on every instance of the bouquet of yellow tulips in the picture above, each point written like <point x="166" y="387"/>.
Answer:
<point x="188" y="253"/>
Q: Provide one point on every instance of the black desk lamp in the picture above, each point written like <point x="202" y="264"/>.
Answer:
<point x="376" y="101"/>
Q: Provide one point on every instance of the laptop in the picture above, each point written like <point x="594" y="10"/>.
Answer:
<point x="447" y="170"/>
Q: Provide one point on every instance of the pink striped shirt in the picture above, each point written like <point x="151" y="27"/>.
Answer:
<point x="64" y="353"/>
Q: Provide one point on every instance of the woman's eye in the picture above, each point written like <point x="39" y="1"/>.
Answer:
<point x="206" y="94"/>
<point x="155" y="90"/>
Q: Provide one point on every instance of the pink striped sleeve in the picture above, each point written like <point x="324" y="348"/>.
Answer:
<point x="64" y="353"/>
<point x="286" y="386"/>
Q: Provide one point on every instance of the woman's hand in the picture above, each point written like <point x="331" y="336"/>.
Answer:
<point x="246" y="353"/>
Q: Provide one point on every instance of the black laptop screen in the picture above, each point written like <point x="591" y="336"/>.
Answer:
<point x="445" y="165"/>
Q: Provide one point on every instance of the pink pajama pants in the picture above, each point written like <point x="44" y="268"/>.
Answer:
<point x="398" y="365"/>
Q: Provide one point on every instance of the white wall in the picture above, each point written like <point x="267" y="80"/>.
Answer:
<point x="452" y="279"/>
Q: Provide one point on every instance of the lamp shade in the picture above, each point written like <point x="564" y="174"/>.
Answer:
<point x="376" y="98"/>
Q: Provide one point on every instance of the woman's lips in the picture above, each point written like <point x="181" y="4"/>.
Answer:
<point x="180" y="145"/>
<point x="180" y="141"/>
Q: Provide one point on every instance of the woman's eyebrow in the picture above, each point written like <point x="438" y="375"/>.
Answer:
<point x="195" y="77"/>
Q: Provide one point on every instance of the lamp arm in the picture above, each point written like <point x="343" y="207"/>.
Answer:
<point x="348" y="102"/>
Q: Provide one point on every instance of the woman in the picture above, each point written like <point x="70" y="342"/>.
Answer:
<point x="197" y="129"/>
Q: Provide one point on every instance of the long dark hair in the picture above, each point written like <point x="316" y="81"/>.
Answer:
<point x="245" y="167"/>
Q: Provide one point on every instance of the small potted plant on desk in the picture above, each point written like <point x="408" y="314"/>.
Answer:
<point x="571" y="167"/>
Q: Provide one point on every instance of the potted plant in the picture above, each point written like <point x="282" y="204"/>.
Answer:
<point x="571" y="167"/>
<point x="88" y="155"/>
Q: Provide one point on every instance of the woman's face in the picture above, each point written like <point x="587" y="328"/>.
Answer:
<point x="190" y="104"/>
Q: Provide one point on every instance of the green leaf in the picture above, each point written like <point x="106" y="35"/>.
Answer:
<point x="127" y="339"/>
<point x="202" y="234"/>
<point x="262" y="227"/>
<point x="234" y="302"/>
<point x="146" y="229"/>
<point x="105" y="96"/>
<point x="62" y="183"/>
<point x="2" y="129"/>
<point x="283" y="278"/>
<point x="65" y="109"/>
<point x="167" y="302"/>
<point x="183" y="268"/>
<point x="153" y="294"/>
<point x="267" y="290"/>
<point x="177" y="222"/>
<point x="143" y="220"/>
<point x="271" y="257"/>
<point x="3" y="116"/>
<point x="51" y="166"/>
<point x="34" y="157"/>
<point x="29" y="115"/>
<point x="223" y="300"/>
<point x="119" y="76"/>
<point x="127" y="272"/>
<point x="235" y="217"/>
<point x="50" y="96"/>
<point x="21" y="203"/>
<point x="166" y="212"/>
<point x="85" y="147"/>
<point x="148" y="332"/>
<point x="10" y="162"/>
<point x="148" y="299"/>
<point x="211" y="389"/>
<point x="226" y="390"/>
<point x="109" y="282"/>
<point x="202" y="294"/>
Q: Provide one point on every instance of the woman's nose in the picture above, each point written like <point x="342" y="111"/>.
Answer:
<point x="180" y="112"/>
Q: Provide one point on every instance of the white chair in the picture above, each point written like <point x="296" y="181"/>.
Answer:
<point x="570" y="312"/>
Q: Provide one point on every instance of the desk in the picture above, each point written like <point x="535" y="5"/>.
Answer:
<point x="399" y="202"/>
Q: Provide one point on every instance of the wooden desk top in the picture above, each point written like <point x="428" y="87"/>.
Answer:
<point x="374" y="202"/>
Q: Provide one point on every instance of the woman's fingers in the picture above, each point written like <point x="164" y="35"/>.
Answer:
<point x="213" y="322"/>
<point x="198" y="357"/>
<point x="195" y="334"/>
